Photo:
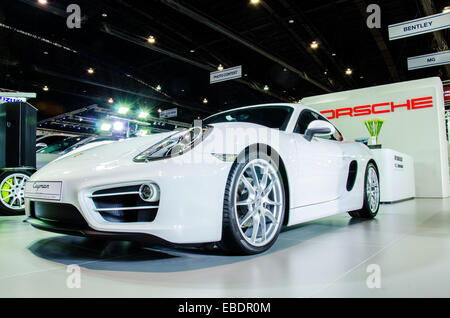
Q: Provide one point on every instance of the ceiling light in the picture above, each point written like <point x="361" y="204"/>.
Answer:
<point x="45" y="53"/>
<point x="105" y="15"/>
<point x="110" y="101"/>
<point x="291" y="21"/>
<point x="90" y="70"/>
<point x="151" y="39"/>
<point x="446" y="9"/>
<point x="123" y="110"/>
<point x="143" y="114"/>
<point x="255" y="2"/>
<point x="192" y="51"/>
<point x="333" y="54"/>
<point x="159" y="110"/>
<point x="42" y="1"/>
<point x="118" y="126"/>
<point x="314" y="45"/>
<point x="266" y="88"/>
<point x="142" y="132"/>
<point x="348" y="71"/>
<point x="105" y="127"/>
<point x="45" y="88"/>
<point x="158" y="88"/>
<point x="361" y="77"/>
<point x="205" y="100"/>
<point x="220" y="67"/>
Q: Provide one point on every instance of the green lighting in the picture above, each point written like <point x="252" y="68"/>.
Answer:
<point x="105" y="127"/>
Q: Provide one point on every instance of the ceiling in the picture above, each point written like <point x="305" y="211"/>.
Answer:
<point x="270" y="40"/>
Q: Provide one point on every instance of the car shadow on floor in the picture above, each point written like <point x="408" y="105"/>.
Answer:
<point x="128" y="256"/>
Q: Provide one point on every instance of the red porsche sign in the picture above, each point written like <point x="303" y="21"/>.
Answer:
<point x="380" y="108"/>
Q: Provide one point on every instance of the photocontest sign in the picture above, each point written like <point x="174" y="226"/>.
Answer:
<point x="428" y="60"/>
<point x="226" y="75"/>
<point x="414" y="27"/>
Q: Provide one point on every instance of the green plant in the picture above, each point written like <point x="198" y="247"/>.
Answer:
<point x="374" y="126"/>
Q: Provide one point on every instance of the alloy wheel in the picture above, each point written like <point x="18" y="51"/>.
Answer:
<point x="259" y="202"/>
<point x="373" y="189"/>
<point x="12" y="191"/>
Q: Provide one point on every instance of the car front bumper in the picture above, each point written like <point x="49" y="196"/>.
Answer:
<point x="190" y="205"/>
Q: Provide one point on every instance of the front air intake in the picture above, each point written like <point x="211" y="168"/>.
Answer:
<point x="125" y="204"/>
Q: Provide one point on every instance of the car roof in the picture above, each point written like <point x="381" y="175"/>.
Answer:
<point x="293" y="105"/>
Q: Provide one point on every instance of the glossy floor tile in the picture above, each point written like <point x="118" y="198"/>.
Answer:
<point x="405" y="252"/>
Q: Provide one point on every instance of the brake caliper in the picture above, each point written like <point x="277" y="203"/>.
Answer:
<point x="6" y="186"/>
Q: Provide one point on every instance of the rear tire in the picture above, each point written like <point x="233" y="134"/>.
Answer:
<point x="12" y="190"/>
<point x="371" y="203"/>
<point x="254" y="205"/>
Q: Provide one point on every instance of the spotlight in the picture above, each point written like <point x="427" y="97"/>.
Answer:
<point x="314" y="45"/>
<point x="159" y="110"/>
<point x="348" y="71"/>
<point x="45" y="88"/>
<point x="205" y="100"/>
<point x="143" y="114"/>
<point x="142" y="132"/>
<point x="110" y="101"/>
<point x="333" y="54"/>
<point x="105" y="127"/>
<point x="90" y="70"/>
<point x="105" y="15"/>
<point x="220" y="67"/>
<point x="291" y="21"/>
<point x="151" y="39"/>
<point x="255" y="2"/>
<point x="118" y="126"/>
<point x="266" y="88"/>
<point x="42" y="2"/>
<point x="123" y="110"/>
<point x="158" y="88"/>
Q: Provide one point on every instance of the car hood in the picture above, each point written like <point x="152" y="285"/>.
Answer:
<point x="107" y="155"/>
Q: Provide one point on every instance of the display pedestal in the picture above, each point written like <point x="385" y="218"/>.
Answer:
<point x="396" y="169"/>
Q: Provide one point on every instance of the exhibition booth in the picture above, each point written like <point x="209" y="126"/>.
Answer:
<point x="413" y="158"/>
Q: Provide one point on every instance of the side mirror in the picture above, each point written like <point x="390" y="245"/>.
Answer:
<point x="41" y="145"/>
<point x="319" y="128"/>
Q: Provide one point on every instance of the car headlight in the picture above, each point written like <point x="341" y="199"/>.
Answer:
<point x="175" y="145"/>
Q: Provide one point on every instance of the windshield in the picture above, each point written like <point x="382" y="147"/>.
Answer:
<point x="269" y="116"/>
<point x="60" y="146"/>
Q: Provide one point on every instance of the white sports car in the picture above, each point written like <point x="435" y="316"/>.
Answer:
<point x="235" y="180"/>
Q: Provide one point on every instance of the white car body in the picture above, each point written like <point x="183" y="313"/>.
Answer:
<point x="192" y="191"/>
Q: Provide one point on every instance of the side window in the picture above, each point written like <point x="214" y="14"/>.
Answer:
<point x="306" y="117"/>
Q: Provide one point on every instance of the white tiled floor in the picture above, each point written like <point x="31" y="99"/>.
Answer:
<point x="410" y="241"/>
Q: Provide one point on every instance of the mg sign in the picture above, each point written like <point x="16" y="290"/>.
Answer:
<point x="428" y="60"/>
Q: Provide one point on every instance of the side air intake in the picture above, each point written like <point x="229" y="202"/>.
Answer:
<point x="352" y="172"/>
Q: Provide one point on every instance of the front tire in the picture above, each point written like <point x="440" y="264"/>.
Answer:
<point x="254" y="205"/>
<point x="12" y="192"/>
<point x="371" y="194"/>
